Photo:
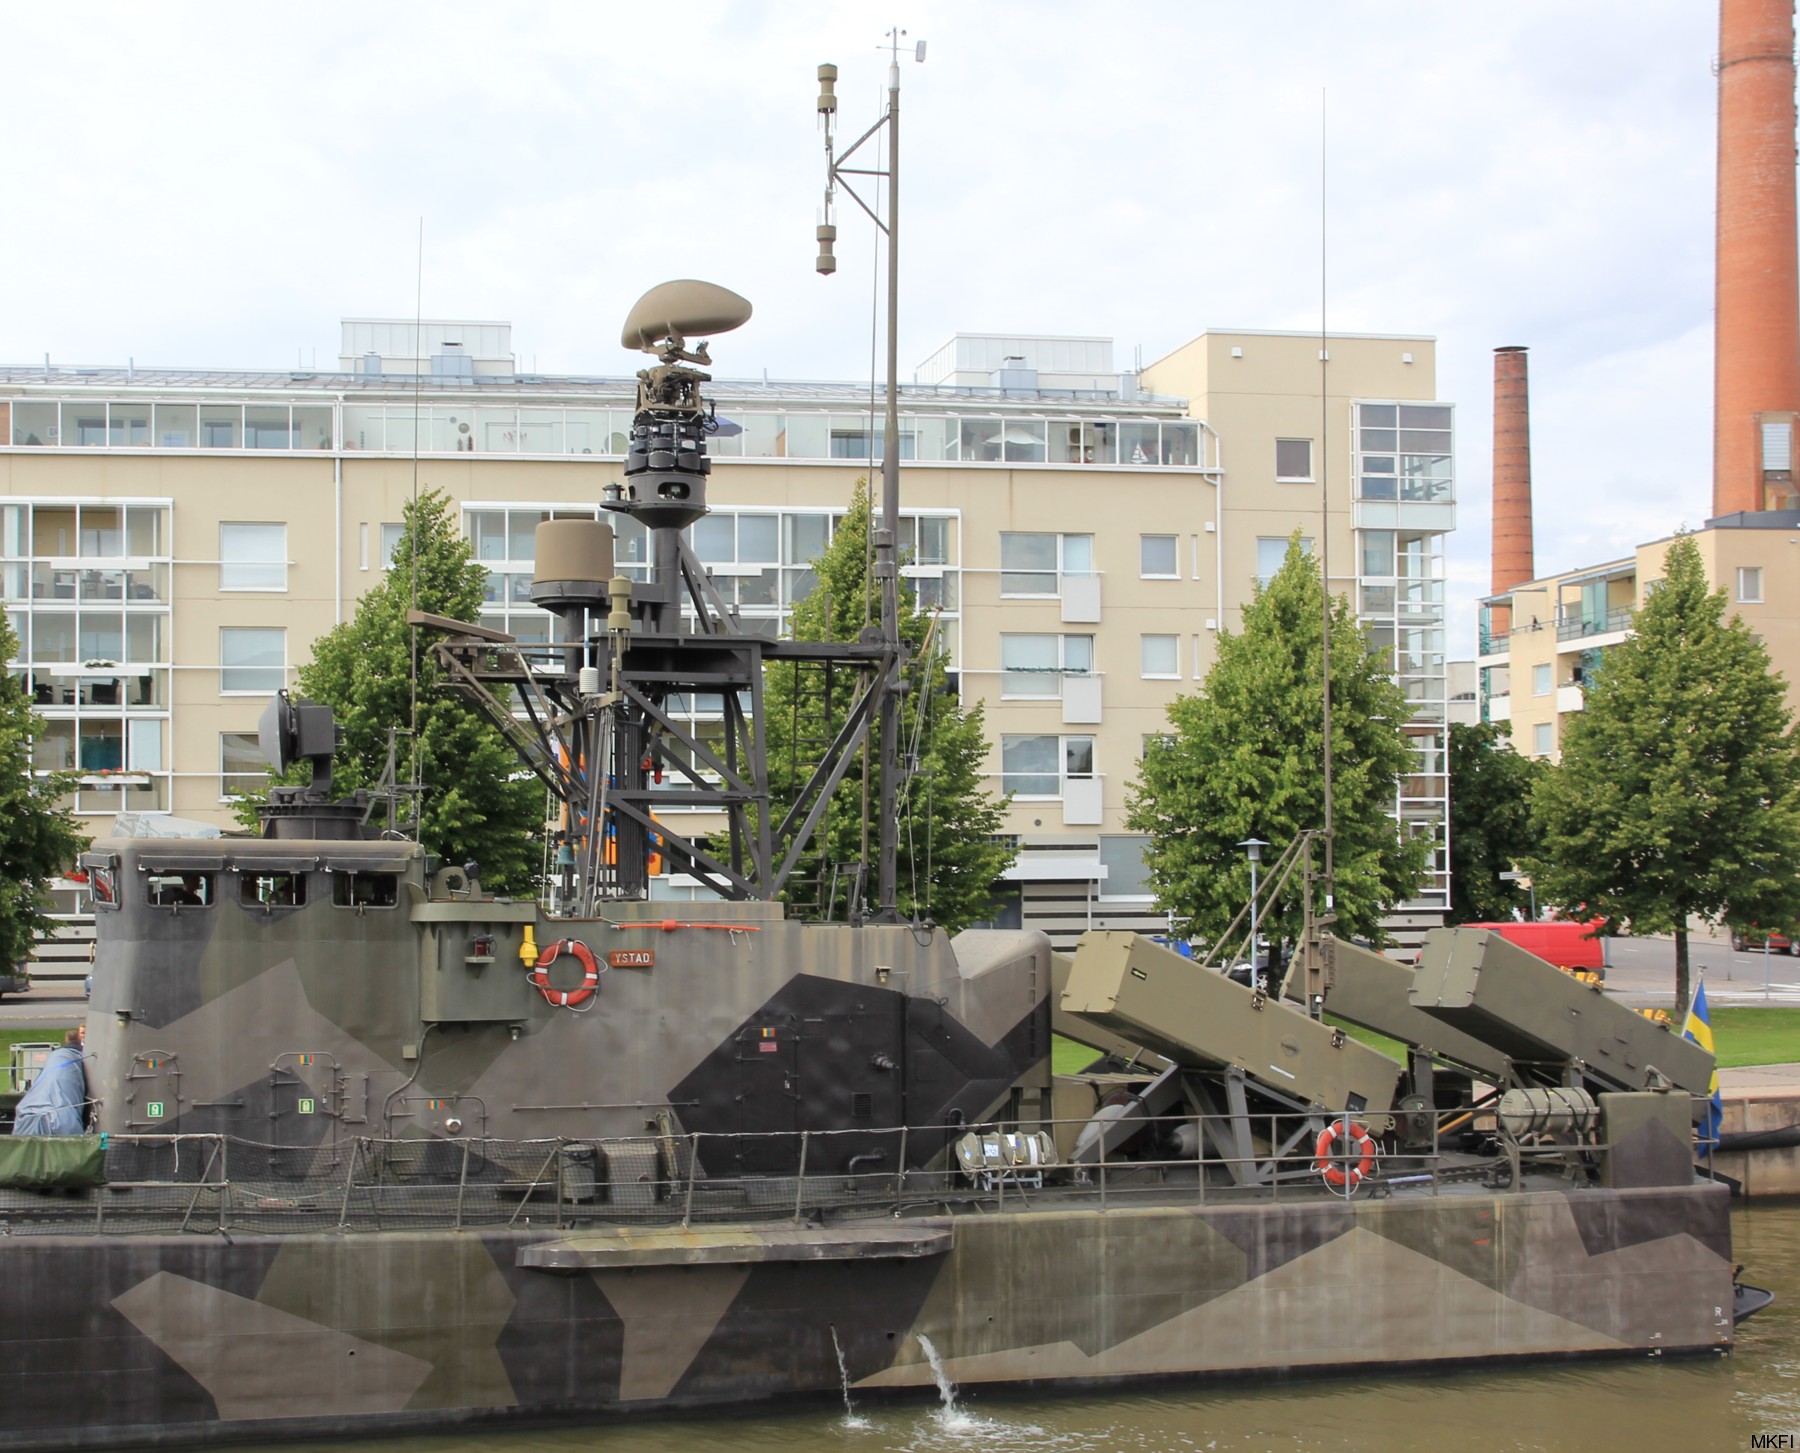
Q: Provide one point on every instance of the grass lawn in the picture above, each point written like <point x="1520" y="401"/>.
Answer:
<point x="1752" y="1036"/>
<point x="9" y="1037"/>
<point x="1744" y="1036"/>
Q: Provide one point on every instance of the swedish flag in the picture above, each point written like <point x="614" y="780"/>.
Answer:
<point x="1699" y="1029"/>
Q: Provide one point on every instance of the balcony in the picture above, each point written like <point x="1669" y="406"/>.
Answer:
<point x="1569" y="698"/>
<point x="1614" y="623"/>
<point x="1499" y="707"/>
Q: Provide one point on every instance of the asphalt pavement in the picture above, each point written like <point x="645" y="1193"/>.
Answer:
<point x="54" y="1006"/>
<point x="1641" y="972"/>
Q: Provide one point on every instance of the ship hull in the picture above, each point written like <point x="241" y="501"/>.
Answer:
<point x="161" y="1339"/>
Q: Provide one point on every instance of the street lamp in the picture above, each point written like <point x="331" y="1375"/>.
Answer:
<point x="1253" y="847"/>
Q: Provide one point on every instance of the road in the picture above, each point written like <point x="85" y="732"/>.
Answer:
<point x="56" y="1006"/>
<point x="1641" y="971"/>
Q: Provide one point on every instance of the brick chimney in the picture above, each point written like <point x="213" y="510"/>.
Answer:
<point x="1512" y="479"/>
<point x="1756" y="362"/>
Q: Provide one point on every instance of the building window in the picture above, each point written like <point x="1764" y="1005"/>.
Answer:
<point x="1154" y="742"/>
<point x="252" y="557"/>
<point x="1749" y="583"/>
<point x="1036" y="665"/>
<point x="1777" y="447"/>
<point x="1543" y="739"/>
<point x="1157" y="557"/>
<point x="1271" y="551"/>
<point x="252" y="660"/>
<point x="1159" y="657"/>
<point x="390" y="540"/>
<point x="859" y="443"/>
<point x="1127" y="874"/>
<point x="1034" y="564"/>
<point x="242" y="766"/>
<point x="1038" y="766"/>
<point x="924" y="539"/>
<point x="1293" y="459"/>
<point x="1403" y="452"/>
<point x="1541" y="682"/>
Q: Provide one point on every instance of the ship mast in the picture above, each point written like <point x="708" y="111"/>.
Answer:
<point x="887" y="534"/>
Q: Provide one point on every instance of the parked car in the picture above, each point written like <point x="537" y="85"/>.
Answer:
<point x="1752" y="939"/>
<point x="14" y="980"/>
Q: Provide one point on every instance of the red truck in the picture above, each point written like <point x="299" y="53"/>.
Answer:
<point x="1564" y="942"/>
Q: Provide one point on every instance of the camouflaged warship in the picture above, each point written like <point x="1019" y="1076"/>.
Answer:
<point x="378" y="1150"/>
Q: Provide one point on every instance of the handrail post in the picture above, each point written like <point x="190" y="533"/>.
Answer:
<point x="224" y="1183"/>
<point x="1103" y="1169"/>
<point x="800" y="1177"/>
<point x="462" y="1184"/>
<point x="900" y="1174"/>
<point x="349" y="1184"/>
<point x="693" y="1174"/>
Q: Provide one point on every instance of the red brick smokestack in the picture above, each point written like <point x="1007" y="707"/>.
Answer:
<point x="1512" y="479"/>
<point x="1756" y="364"/>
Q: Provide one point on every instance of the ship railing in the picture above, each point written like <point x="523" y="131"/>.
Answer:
<point x="220" y="1183"/>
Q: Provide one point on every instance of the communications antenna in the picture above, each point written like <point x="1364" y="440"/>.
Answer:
<point x="886" y="535"/>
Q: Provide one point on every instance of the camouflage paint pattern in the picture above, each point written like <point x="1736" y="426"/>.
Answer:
<point x="235" y="1017"/>
<point x="303" y="1026"/>
<point x="164" y="1339"/>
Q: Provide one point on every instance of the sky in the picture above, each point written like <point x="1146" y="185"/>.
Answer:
<point x="217" y="185"/>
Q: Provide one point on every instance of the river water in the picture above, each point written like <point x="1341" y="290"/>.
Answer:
<point x="1645" y="1405"/>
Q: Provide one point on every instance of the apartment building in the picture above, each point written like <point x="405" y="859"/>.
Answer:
<point x="1542" y="641"/>
<point x="171" y="543"/>
<point x="1346" y="441"/>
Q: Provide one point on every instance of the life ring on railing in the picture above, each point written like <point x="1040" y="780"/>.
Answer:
<point x="590" y="974"/>
<point x="1332" y="1168"/>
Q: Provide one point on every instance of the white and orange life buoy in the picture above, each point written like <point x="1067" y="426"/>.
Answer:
<point x="1339" y="1170"/>
<point x="590" y="974"/>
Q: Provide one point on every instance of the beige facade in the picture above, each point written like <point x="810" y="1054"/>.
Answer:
<point x="1356" y="437"/>
<point x="173" y="543"/>
<point x="1562" y="625"/>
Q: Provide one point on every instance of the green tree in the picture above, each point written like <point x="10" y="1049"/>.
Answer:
<point x="948" y="857"/>
<point x="38" y="836"/>
<point x="1678" y="793"/>
<point x="472" y="808"/>
<point x="1244" y="758"/>
<point x="1490" y="821"/>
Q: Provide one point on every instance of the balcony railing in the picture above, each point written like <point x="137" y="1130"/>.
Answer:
<point x="1613" y="620"/>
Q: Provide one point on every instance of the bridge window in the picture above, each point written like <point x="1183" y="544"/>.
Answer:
<point x="180" y="890"/>
<point x="272" y="890"/>
<point x="365" y="890"/>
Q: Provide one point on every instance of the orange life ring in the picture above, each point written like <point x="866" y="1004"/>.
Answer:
<point x="1336" y="1174"/>
<point x="590" y="974"/>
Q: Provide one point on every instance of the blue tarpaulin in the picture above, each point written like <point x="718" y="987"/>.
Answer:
<point x="55" y="1103"/>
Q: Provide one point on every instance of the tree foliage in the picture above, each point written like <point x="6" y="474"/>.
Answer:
<point x="471" y="809"/>
<point x="38" y="836"/>
<point x="1245" y="758"/>
<point x="1678" y="793"/>
<point x="1490" y="822"/>
<point x="948" y="819"/>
